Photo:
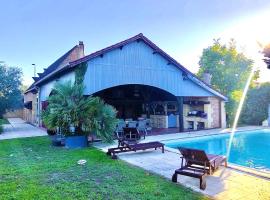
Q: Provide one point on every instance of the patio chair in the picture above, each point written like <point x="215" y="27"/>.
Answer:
<point x="197" y="164"/>
<point x="148" y="125"/>
<point x="128" y="147"/>
<point x="132" y="124"/>
<point x="142" y="127"/>
<point x="119" y="127"/>
<point x="130" y="135"/>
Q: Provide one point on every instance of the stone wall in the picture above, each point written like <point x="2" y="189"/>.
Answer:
<point x="29" y="115"/>
<point x="14" y="114"/>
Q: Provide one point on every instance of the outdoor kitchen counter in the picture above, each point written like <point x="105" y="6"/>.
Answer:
<point x="163" y="121"/>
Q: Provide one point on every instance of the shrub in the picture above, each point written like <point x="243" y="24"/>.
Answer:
<point x="69" y="109"/>
<point x="255" y="109"/>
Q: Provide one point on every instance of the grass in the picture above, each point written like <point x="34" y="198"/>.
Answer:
<point x="31" y="168"/>
<point x="3" y="121"/>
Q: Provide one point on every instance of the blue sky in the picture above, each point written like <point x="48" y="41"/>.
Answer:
<point x="41" y="31"/>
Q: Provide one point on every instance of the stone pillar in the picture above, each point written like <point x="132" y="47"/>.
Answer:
<point x="186" y="109"/>
<point x="180" y="101"/>
<point x="208" y="110"/>
<point x="215" y="112"/>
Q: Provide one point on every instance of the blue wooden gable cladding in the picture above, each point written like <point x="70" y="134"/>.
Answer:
<point x="136" y="63"/>
<point x="45" y="89"/>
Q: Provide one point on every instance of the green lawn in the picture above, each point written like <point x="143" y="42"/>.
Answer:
<point x="32" y="169"/>
<point x="3" y="121"/>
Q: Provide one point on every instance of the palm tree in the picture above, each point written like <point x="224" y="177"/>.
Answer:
<point x="68" y="107"/>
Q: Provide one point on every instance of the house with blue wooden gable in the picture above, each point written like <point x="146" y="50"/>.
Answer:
<point x="141" y="81"/>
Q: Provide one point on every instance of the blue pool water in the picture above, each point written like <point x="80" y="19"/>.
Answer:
<point x="249" y="148"/>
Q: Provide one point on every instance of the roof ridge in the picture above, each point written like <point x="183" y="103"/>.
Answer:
<point x="61" y="59"/>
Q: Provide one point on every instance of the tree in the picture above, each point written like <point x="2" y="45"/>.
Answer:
<point x="266" y="53"/>
<point x="24" y="88"/>
<point x="229" y="69"/>
<point x="255" y="109"/>
<point x="10" y="84"/>
<point x="68" y="107"/>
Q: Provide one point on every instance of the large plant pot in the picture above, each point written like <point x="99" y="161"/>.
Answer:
<point x="51" y="132"/>
<point x="58" y="140"/>
<point x="73" y="142"/>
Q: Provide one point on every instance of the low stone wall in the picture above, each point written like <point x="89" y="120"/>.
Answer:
<point x="14" y="114"/>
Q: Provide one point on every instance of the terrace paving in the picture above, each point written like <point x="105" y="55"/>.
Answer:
<point x="18" y="128"/>
<point x="226" y="183"/>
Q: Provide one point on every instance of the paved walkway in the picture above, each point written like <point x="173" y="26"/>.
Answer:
<point x="226" y="183"/>
<point x="18" y="128"/>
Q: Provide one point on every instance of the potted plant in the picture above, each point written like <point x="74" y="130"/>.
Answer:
<point x="77" y="116"/>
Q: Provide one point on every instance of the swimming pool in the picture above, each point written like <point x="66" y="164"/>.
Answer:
<point x="249" y="148"/>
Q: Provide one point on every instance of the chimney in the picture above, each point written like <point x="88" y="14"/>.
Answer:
<point x="206" y="77"/>
<point x="81" y="49"/>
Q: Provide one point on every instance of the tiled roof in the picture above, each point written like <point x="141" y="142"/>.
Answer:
<point x="56" y="64"/>
<point x="53" y="67"/>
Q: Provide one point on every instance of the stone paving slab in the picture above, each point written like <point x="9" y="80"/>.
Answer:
<point x="15" y="121"/>
<point x="18" y="128"/>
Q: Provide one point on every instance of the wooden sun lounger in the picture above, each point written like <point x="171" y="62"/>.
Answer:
<point x="128" y="147"/>
<point x="198" y="158"/>
<point x="197" y="164"/>
<point x="192" y="172"/>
